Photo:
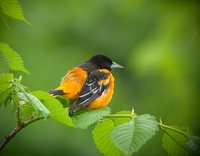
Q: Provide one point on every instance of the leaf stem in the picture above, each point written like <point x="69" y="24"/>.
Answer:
<point x="120" y="116"/>
<point x="175" y="140"/>
<point x="163" y="126"/>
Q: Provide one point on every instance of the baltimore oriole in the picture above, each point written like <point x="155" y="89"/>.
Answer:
<point x="90" y="84"/>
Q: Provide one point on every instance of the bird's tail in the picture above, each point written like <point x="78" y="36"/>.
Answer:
<point x="73" y="108"/>
<point x="56" y="92"/>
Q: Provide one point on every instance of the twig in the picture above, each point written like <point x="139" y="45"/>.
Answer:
<point x="9" y="137"/>
<point x="18" y="116"/>
<point x="16" y="130"/>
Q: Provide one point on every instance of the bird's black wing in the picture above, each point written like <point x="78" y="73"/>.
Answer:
<point x="92" y="89"/>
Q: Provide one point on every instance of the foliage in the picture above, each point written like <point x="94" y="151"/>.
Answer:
<point x="122" y="133"/>
<point x="179" y="142"/>
<point x="28" y="98"/>
<point x="87" y="118"/>
<point x="4" y="66"/>
<point x="57" y="112"/>
<point x="102" y="139"/>
<point x="131" y="136"/>
<point x="4" y="81"/>
<point x="12" y="9"/>
<point x="10" y="59"/>
<point x="193" y="143"/>
<point x="5" y="88"/>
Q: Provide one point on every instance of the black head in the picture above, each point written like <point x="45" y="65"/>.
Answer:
<point x="103" y="62"/>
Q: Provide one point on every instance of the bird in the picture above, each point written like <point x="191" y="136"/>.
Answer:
<point x="89" y="85"/>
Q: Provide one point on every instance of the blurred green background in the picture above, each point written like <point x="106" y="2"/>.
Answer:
<point x="157" y="42"/>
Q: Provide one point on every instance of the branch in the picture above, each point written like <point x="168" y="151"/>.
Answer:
<point x="17" y="129"/>
<point x="7" y="139"/>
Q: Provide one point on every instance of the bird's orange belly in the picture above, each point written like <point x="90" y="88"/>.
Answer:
<point x="104" y="99"/>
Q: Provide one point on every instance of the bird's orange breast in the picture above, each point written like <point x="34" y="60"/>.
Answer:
<point x="73" y="82"/>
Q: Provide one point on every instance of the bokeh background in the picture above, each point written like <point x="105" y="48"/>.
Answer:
<point x="157" y="42"/>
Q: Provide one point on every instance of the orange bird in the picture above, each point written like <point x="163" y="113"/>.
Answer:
<point x="90" y="84"/>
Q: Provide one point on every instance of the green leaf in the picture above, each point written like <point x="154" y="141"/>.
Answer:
<point x="175" y="143"/>
<point x="13" y="58"/>
<point x="5" y="97"/>
<point x="3" y="18"/>
<point x="63" y="101"/>
<point x="89" y="117"/>
<point x="5" y="88"/>
<point x="5" y="81"/>
<point x="121" y="120"/>
<point x="13" y="9"/>
<point x="4" y="65"/>
<point x="194" y="145"/>
<point x="57" y="112"/>
<point x="131" y="136"/>
<point x="35" y="102"/>
<point x="102" y="132"/>
<point x="15" y="101"/>
<point x="101" y="136"/>
<point x="28" y="112"/>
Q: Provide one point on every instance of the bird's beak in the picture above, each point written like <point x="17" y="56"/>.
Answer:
<point x="115" y="65"/>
